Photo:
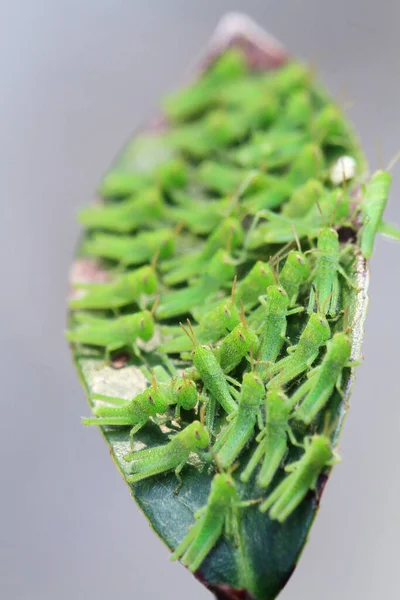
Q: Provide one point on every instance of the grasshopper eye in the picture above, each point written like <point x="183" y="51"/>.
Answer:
<point x="241" y="336"/>
<point x="227" y="312"/>
<point x="300" y="259"/>
<point x="323" y="322"/>
<point x="281" y="291"/>
<point x="150" y="399"/>
<point x="197" y="434"/>
<point x="141" y="323"/>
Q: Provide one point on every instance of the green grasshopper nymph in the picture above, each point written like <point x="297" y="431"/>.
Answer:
<point x="301" y="356"/>
<point x="171" y="456"/>
<point x="153" y="401"/>
<point x="113" y="334"/>
<point x="125" y="216"/>
<point x="303" y="476"/>
<point x="309" y="163"/>
<point x="235" y="346"/>
<point x="226" y="179"/>
<point x="129" y="250"/>
<point x="325" y="277"/>
<point x="123" y="290"/>
<point x="375" y="198"/>
<point x="290" y="78"/>
<point x="254" y="284"/>
<point x="270" y="150"/>
<point x="272" y="440"/>
<point x="168" y="175"/>
<point x="273" y="328"/>
<point x="219" y="514"/>
<point x="219" y="271"/>
<point x="330" y="128"/>
<point x="294" y="274"/>
<point x="211" y="374"/>
<point x="303" y="199"/>
<point x="201" y="217"/>
<point x="228" y="234"/>
<point x="314" y="393"/>
<point x="240" y="430"/>
<point x="279" y="229"/>
<point x="249" y="289"/>
<point x="194" y="100"/>
<point x="218" y="129"/>
<point x="213" y="325"/>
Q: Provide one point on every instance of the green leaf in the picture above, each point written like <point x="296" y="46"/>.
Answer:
<point x="267" y="552"/>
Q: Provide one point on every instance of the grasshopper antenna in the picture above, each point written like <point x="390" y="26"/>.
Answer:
<point x="245" y="184"/>
<point x="153" y="263"/>
<point x="190" y="332"/>
<point x="296" y="238"/>
<point x="233" y="292"/>
<point x="153" y="380"/>
<point x="242" y="315"/>
<point x="274" y="266"/>
<point x="154" y="308"/>
<point x="393" y="161"/>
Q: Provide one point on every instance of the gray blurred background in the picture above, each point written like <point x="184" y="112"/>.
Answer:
<point x="76" y="78"/>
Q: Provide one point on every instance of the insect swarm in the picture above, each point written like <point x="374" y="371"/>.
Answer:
<point x="274" y="174"/>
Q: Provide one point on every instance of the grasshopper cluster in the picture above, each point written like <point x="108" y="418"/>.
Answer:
<point x="231" y="240"/>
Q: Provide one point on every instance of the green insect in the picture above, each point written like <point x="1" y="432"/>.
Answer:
<point x="272" y="440"/>
<point x="303" y="476"/>
<point x="218" y="515"/>
<point x="325" y="278"/>
<point x="314" y="393"/>
<point x="275" y="191"/>
<point x="220" y="271"/>
<point x="153" y="401"/>
<point x="228" y="234"/>
<point x="248" y="290"/>
<point x="330" y="128"/>
<point x="201" y="216"/>
<point x="301" y="356"/>
<point x="212" y="327"/>
<point x="135" y="250"/>
<point x="226" y="179"/>
<point x="273" y="328"/>
<point x="218" y="129"/>
<point x="303" y="199"/>
<point x="308" y="164"/>
<point x="113" y="334"/>
<point x="171" y="456"/>
<point x="280" y="228"/>
<point x="289" y="79"/>
<point x="242" y="341"/>
<point x="211" y="374"/>
<point x="240" y="430"/>
<point x="254" y="284"/>
<point x="294" y="274"/>
<point x="143" y="208"/>
<point x="169" y="174"/>
<point x="194" y="100"/>
<point x="374" y="202"/>
<point x="119" y="292"/>
<point x="270" y="150"/>
<point x="299" y="110"/>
